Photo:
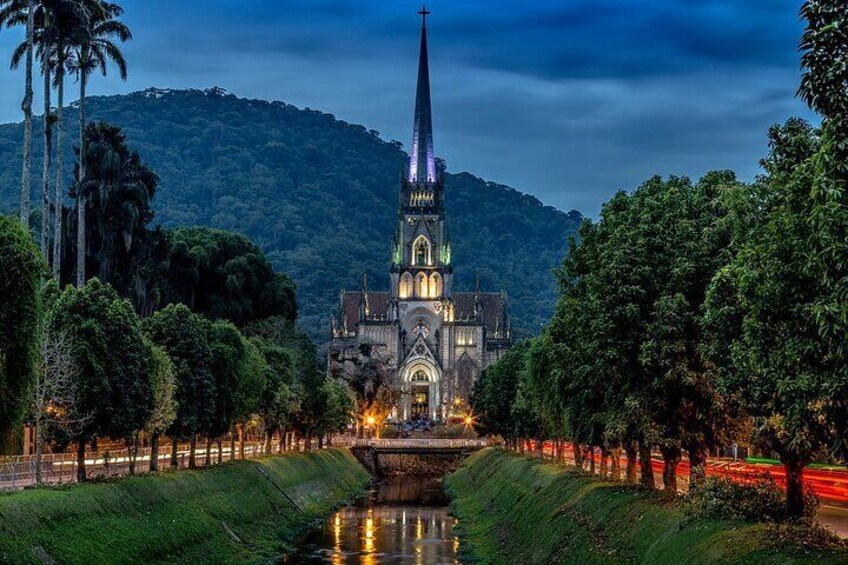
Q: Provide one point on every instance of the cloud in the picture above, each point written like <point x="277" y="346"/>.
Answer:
<point x="570" y="101"/>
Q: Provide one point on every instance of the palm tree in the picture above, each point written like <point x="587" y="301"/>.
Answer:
<point x="94" y="50"/>
<point x="11" y="13"/>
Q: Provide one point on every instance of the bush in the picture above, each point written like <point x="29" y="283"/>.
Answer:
<point x="760" y="499"/>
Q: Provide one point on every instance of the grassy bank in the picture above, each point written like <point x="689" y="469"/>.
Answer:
<point x="231" y="513"/>
<point x="513" y="509"/>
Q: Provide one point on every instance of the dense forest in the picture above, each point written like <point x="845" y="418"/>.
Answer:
<point x="317" y="194"/>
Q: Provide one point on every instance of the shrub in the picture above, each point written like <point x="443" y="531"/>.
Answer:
<point x="760" y="499"/>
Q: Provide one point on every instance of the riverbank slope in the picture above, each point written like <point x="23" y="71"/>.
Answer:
<point x="514" y="509"/>
<point x="244" y="511"/>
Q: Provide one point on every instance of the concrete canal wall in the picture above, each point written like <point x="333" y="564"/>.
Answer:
<point x="244" y="512"/>
<point x="514" y="509"/>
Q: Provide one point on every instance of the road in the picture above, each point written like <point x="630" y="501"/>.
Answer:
<point x="829" y="484"/>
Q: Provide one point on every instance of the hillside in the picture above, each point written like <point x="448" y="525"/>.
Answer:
<point x="319" y="195"/>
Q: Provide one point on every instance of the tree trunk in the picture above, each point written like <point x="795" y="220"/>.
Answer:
<point x="671" y="457"/>
<point x="174" y="448"/>
<point x="241" y="441"/>
<point x="220" y="444"/>
<point x="646" y="468"/>
<point x="192" y="452"/>
<point x="605" y="458"/>
<point x="232" y="444"/>
<point x="307" y="443"/>
<point x="60" y="162"/>
<point x="592" y="459"/>
<point x="268" y="440"/>
<point x="81" y="477"/>
<point x="132" y="446"/>
<point x="26" y="106"/>
<point x="46" y="205"/>
<point x="615" y="464"/>
<point x="208" y="461"/>
<point x="631" y="452"/>
<point x="697" y="466"/>
<point x="320" y="443"/>
<point x="578" y="455"/>
<point x="39" y="450"/>
<point x="154" y="452"/>
<point x="795" y="504"/>
<point x="81" y="235"/>
<point x="329" y="440"/>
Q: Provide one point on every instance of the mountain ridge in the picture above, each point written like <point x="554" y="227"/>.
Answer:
<point x="318" y="194"/>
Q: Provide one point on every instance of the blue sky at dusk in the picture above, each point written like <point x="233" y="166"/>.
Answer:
<point x="567" y="100"/>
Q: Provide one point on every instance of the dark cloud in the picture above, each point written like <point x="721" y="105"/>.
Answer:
<point x="567" y="100"/>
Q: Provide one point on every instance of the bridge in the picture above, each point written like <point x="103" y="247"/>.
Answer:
<point x="421" y="457"/>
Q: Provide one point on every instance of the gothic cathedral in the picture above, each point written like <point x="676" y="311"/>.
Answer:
<point x="436" y="340"/>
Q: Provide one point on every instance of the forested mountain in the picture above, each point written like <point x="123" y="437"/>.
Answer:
<point x="317" y="194"/>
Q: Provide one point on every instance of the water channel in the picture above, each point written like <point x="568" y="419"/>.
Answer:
<point x="401" y="520"/>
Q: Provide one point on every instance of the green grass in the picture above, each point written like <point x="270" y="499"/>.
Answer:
<point x="514" y="509"/>
<point x="180" y="517"/>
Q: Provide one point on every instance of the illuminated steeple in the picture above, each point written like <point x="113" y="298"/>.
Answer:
<point x="422" y="160"/>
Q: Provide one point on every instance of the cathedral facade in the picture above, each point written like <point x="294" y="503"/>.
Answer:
<point x="435" y="340"/>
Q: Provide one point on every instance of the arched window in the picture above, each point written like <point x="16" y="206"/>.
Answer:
<point x="421" y="286"/>
<point x="406" y="284"/>
<point x="421" y="254"/>
<point x="435" y="285"/>
<point x="420" y="377"/>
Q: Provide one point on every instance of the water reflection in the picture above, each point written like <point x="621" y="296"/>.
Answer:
<point x="403" y="520"/>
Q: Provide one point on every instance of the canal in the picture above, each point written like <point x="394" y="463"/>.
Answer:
<point x="400" y="520"/>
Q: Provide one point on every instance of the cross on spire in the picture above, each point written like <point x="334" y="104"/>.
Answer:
<point x="424" y="13"/>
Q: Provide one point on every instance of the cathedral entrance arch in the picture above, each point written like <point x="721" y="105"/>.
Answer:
<point x="421" y="383"/>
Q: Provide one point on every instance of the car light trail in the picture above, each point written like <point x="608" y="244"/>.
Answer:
<point x="831" y="485"/>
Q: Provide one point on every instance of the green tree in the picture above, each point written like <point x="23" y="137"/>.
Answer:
<point x="163" y="381"/>
<point x="183" y="336"/>
<point x="825" y="64"/>
<point x="308" y="374"/>
<point x="118" y="189"/>
<point x="252" y="376"/>
<point x="279" y="401"/>
<point x="113" y="360"/>
<point x="225" y="276"/>
<point x="495" y="391"/>
<point x="339" y="408"/>
<point x="21" y="268"/>
<point x="761" y="313"/>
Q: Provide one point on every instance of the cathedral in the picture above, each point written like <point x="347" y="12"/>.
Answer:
<point x="435" y="340"/>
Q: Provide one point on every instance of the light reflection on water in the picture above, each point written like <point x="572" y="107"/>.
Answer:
<point x="403" y="520"/>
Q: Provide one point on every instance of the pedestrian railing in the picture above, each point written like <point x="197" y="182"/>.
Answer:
<point x="434" y="443"/>
<point x="56" y="468"/>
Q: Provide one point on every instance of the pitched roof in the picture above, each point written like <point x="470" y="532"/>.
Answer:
<point x="378" y="306"/>
<point x="492" y="303"/>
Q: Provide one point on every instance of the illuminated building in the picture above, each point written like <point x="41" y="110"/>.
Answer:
<point x="437" y="340"/>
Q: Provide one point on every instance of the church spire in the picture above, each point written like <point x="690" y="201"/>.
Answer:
<point x="422" y="159"/>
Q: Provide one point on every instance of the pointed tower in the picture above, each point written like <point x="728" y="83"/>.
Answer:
<point x="421" y="250"/>
<point x="422" y="158"/>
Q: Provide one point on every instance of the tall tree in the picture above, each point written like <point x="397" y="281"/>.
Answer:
<point x="164" y="384"/>
<point x="224" y="275"/>
<point x="761" y="313"/>
<point x="11" y="12"/>
<point x="113" y="360"/>
<point x="93" y="49"/>
<point x="21" y="268"/>
<point x="119" y="189"/>
<point x="183" y="336"/>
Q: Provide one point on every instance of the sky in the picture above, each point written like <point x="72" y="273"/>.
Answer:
<point x="568" y="100"/>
